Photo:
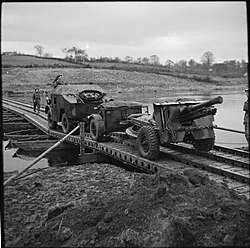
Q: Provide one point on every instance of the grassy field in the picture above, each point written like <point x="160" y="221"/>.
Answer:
<point x="19" y="78"/>
<point x="32" y="61"/>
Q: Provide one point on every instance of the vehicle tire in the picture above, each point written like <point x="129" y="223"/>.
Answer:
<point x="67" y="124"/>
<point x="52" y="124"/>
<point x="204" y="145"/>
<point x="148" y="143"/>
<point x="46" y="109"/>
<point x="95" y="130"/>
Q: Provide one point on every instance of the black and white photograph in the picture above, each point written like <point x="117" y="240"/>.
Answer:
<point x="125" y="124"/>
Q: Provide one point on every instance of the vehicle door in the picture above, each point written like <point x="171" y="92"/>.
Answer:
<point x="54" y="107"/>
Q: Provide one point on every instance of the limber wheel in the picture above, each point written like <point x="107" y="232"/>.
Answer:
<point x="204" y="144"/>
<point x="52" y="124"/>
<point x="67" y="124"/>
<point x="148" y="143"/>
<point x="95" y="131"/>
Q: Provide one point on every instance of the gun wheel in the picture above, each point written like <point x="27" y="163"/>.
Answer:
<point x="204" y="145"/>
<point x="148" y="143"/>
<point x="94" y="130"/>
<point x="52" y="124"/>
<point x="67" y="125"/>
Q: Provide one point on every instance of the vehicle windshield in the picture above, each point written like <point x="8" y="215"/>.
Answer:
<point x="91" y="95"/>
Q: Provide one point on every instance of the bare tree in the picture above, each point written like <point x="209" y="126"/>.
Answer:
<point x="154" y="60"/>
<point x="68" y="56"/>
<point x="75" y="54"/>
<point x="128" y="59"/>
<point x="117" y="59"/>
<point x="139" y="60"/>
<point x="39" y="49"/>
<point x="207" y="60"/>
<point x="80" y="55"/>
<point x="191" y="63"/>
<point x="182" y="64"/>
<point x="145" y="61"/>
<point x="73" y="51"/>
<point x="169" y="63"/>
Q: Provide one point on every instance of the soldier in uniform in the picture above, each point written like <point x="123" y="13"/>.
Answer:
<point x="48" y="101"/>
<point x="36" y="100"/>
<point x="246" y="116"/>
<point x="57" y="81"/>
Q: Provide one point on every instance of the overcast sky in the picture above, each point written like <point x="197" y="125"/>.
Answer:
<point x="170" y="30"/>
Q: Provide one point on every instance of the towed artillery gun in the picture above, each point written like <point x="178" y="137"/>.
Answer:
<point x="174" y="122"/>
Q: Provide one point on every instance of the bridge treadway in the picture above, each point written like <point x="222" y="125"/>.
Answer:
<point x="169" y="160"/>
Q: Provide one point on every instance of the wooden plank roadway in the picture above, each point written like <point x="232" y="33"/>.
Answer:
<point x="112" y="149"/>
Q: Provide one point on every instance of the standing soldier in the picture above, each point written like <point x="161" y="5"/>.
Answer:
<point x="246" y="116"/>
<point x="36" y="100"/>
<point x="57" y="81"/>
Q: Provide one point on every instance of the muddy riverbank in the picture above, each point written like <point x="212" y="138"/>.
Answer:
<point x="101" y="205"/>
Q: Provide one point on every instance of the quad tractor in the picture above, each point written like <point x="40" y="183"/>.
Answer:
<point x="70" y="104"/>
<point x="185" y="120"/>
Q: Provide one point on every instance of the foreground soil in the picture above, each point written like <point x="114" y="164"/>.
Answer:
<point x="101" y="205"/>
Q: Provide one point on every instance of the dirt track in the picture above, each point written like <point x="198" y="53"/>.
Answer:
<point x="102" y="205"/>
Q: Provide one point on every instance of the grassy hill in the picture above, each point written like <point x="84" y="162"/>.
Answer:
<point x="28" y="61"/>
<point x="31" y="61"/>
<point x="34" y="61"/>
<point x="24" y="72"/>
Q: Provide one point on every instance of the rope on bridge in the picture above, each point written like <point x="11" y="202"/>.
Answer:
<point x="229" y="129"/>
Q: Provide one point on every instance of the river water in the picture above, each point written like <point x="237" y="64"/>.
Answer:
<point x="229" y="114"/>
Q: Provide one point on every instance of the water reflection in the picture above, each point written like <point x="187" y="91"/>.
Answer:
<point x="54" y="158"/>
<point x="17" y="159"/>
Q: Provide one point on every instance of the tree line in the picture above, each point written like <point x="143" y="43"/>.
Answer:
<point x="206" y="65"/>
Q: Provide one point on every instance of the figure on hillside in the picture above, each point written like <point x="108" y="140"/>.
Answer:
<point x="36" y="100"/>
<point x="246" y="116"/>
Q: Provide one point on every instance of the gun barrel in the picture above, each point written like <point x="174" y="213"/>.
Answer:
<point x="207" y="103"/>
<point x="197" y="114"/>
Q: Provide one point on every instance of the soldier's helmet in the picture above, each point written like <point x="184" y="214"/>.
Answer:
<point x="247" y="92"/>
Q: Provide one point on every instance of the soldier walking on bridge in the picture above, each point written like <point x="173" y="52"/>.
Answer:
<point x="36" y="100"/>
<point x="246" y="116"/>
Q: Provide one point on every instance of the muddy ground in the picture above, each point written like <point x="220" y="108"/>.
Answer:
<point x="101" y="205"/>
